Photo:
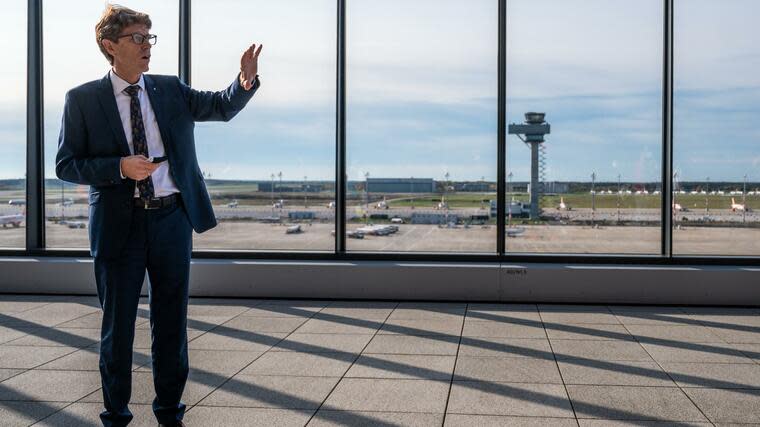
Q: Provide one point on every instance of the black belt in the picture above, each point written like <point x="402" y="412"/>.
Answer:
<point x="158" y="202"/>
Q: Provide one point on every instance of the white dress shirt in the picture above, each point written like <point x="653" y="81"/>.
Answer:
<point x="163" y="183"/>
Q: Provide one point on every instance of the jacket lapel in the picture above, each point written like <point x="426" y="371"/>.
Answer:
<point x="108" y="102"/>
<point x="156" y="101"/>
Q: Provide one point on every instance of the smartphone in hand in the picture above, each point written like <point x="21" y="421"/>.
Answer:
<point x="157" y="159"/>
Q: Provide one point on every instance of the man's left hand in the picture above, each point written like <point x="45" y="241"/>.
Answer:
<point x="249" y="66"/>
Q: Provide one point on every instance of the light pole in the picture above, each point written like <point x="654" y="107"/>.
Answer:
<point x="593" y="197"/>
<point x="744" y="199"/>
<point x="366" y="196"/>
<point x="707" y="196"/>
<point x="279" y="174"/>
<point x="272" y="191"/>
<point x="305" y="203"/>
<point x="618" y="200"/>
<point x="445" y="193"/>
<point x="412" y="182"/>
<point x="675" y="188"/>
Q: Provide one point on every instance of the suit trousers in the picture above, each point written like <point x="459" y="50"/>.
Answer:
<point x="160" y="241"/>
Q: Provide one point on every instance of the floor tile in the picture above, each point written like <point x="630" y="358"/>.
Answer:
<point x="633" y="403"/>
<point x="26" y="413"/>
<point x="489" y="328"/>
<point x="451" y="327"/>
<point x="696" y="352"/>
<point x="83" y="414"/>
<point x="325" y="418"/>
<point x="50" y="386"/>
<point x="637" y="423"/>
<point x="235" y="417"/>
<point x="263" y="324"/>
<point x="688" y="333"/>
<point x="88" y="359"/>
<point x="7" y="373"/>
<point x="600" y="350"/>
<point x="402" y="366"/>
<point x="407" y="344"/>
<point x="717" y="375"/>
<point x="69" y="337"/>
<point x="614" y="373"/>
<point x="323" y="343"/>
<point x="459" y="420"/>
<point x="588" y="332"/>
<point x="517" y="399"/>
<point x="513" y="370"/>
<point x="576" y="314"/>
<point x="388" y="395"/>
<point x="272" y="392"/>
<point x="506" y="347"/>
<point x="727" y="406"/>
<point x="24" y="357"/>
<point x="236" y="340"/>
<point x="334" y="325"/>
<point x="301" y="364"/>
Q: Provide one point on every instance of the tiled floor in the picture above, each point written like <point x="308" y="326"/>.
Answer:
<point x="331" y="363"/>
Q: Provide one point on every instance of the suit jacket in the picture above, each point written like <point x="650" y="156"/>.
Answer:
<point x="92" y="143"/>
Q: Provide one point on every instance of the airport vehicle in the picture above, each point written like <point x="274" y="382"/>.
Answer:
<point x="515" y="231"/>
<point x="279" y="204"/>
<point x="378" y="230"/>
<point x="678" y="208"/>
<point x="17" y="202"/>
<point x="562" y="206"/>
<point x="382" y="204"/>
<point x="515" y="208"/>
<point x="295" y="229"/>
<point x="397" y="220"/>
<point x="331" y="205"/>
<point x="354" y="235"/>
<point x="73" y="224"/>
<point x="232" y="204"/>
<point x="737" y="206"/>
<point x="12" y="220"/>
<point x="442" y="204"/>
<point x="68" y="202"/>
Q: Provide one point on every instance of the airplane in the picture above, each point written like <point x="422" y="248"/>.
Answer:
<point x="233" y="204"/>
<point x="295" y="229"/>
<point x="14" y="220"/>
<point x="562" y="206"/>
<point x="68" y="202"/>
<point x="383" y="204"/>
<point x="737" y="206"/>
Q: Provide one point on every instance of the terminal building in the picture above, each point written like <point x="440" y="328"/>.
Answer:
<point x="401" y="185"/>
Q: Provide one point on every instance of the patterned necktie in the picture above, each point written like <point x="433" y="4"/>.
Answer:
<point x="139" y="141"/>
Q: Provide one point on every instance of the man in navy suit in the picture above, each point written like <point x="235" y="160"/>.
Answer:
<point x="142" y="213"/>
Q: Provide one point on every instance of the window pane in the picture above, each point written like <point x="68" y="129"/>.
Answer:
<point x="13" y="126"/>
<point x="717" y="101"/>
<point x="594" y="67"/>
<point x="71" y="58"/>
<point x="270" y="171"/>
<point x="421" y="125"/>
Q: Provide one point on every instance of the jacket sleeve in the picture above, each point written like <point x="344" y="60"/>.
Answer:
<point x="74" y="163"/>
<point x="217" y="106"/>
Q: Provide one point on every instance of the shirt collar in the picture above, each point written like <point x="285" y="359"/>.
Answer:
<point x="120" y="84"/>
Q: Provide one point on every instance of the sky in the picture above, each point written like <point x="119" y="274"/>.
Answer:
<point x="422" y="85"/>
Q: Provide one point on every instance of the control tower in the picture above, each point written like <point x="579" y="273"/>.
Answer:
<point x="534" y="129"/>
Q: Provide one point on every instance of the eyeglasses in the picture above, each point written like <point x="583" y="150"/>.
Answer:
<point x="141" y="38"/>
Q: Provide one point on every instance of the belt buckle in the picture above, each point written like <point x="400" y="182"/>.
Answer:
<point x="149" y="204"/>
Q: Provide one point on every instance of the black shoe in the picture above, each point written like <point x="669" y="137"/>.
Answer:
<point x="177" y="424"/>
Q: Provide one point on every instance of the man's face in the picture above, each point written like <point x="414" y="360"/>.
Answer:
<point x="128" y="55"/>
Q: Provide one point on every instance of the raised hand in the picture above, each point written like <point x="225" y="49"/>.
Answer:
<point x="249" y="66"/>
